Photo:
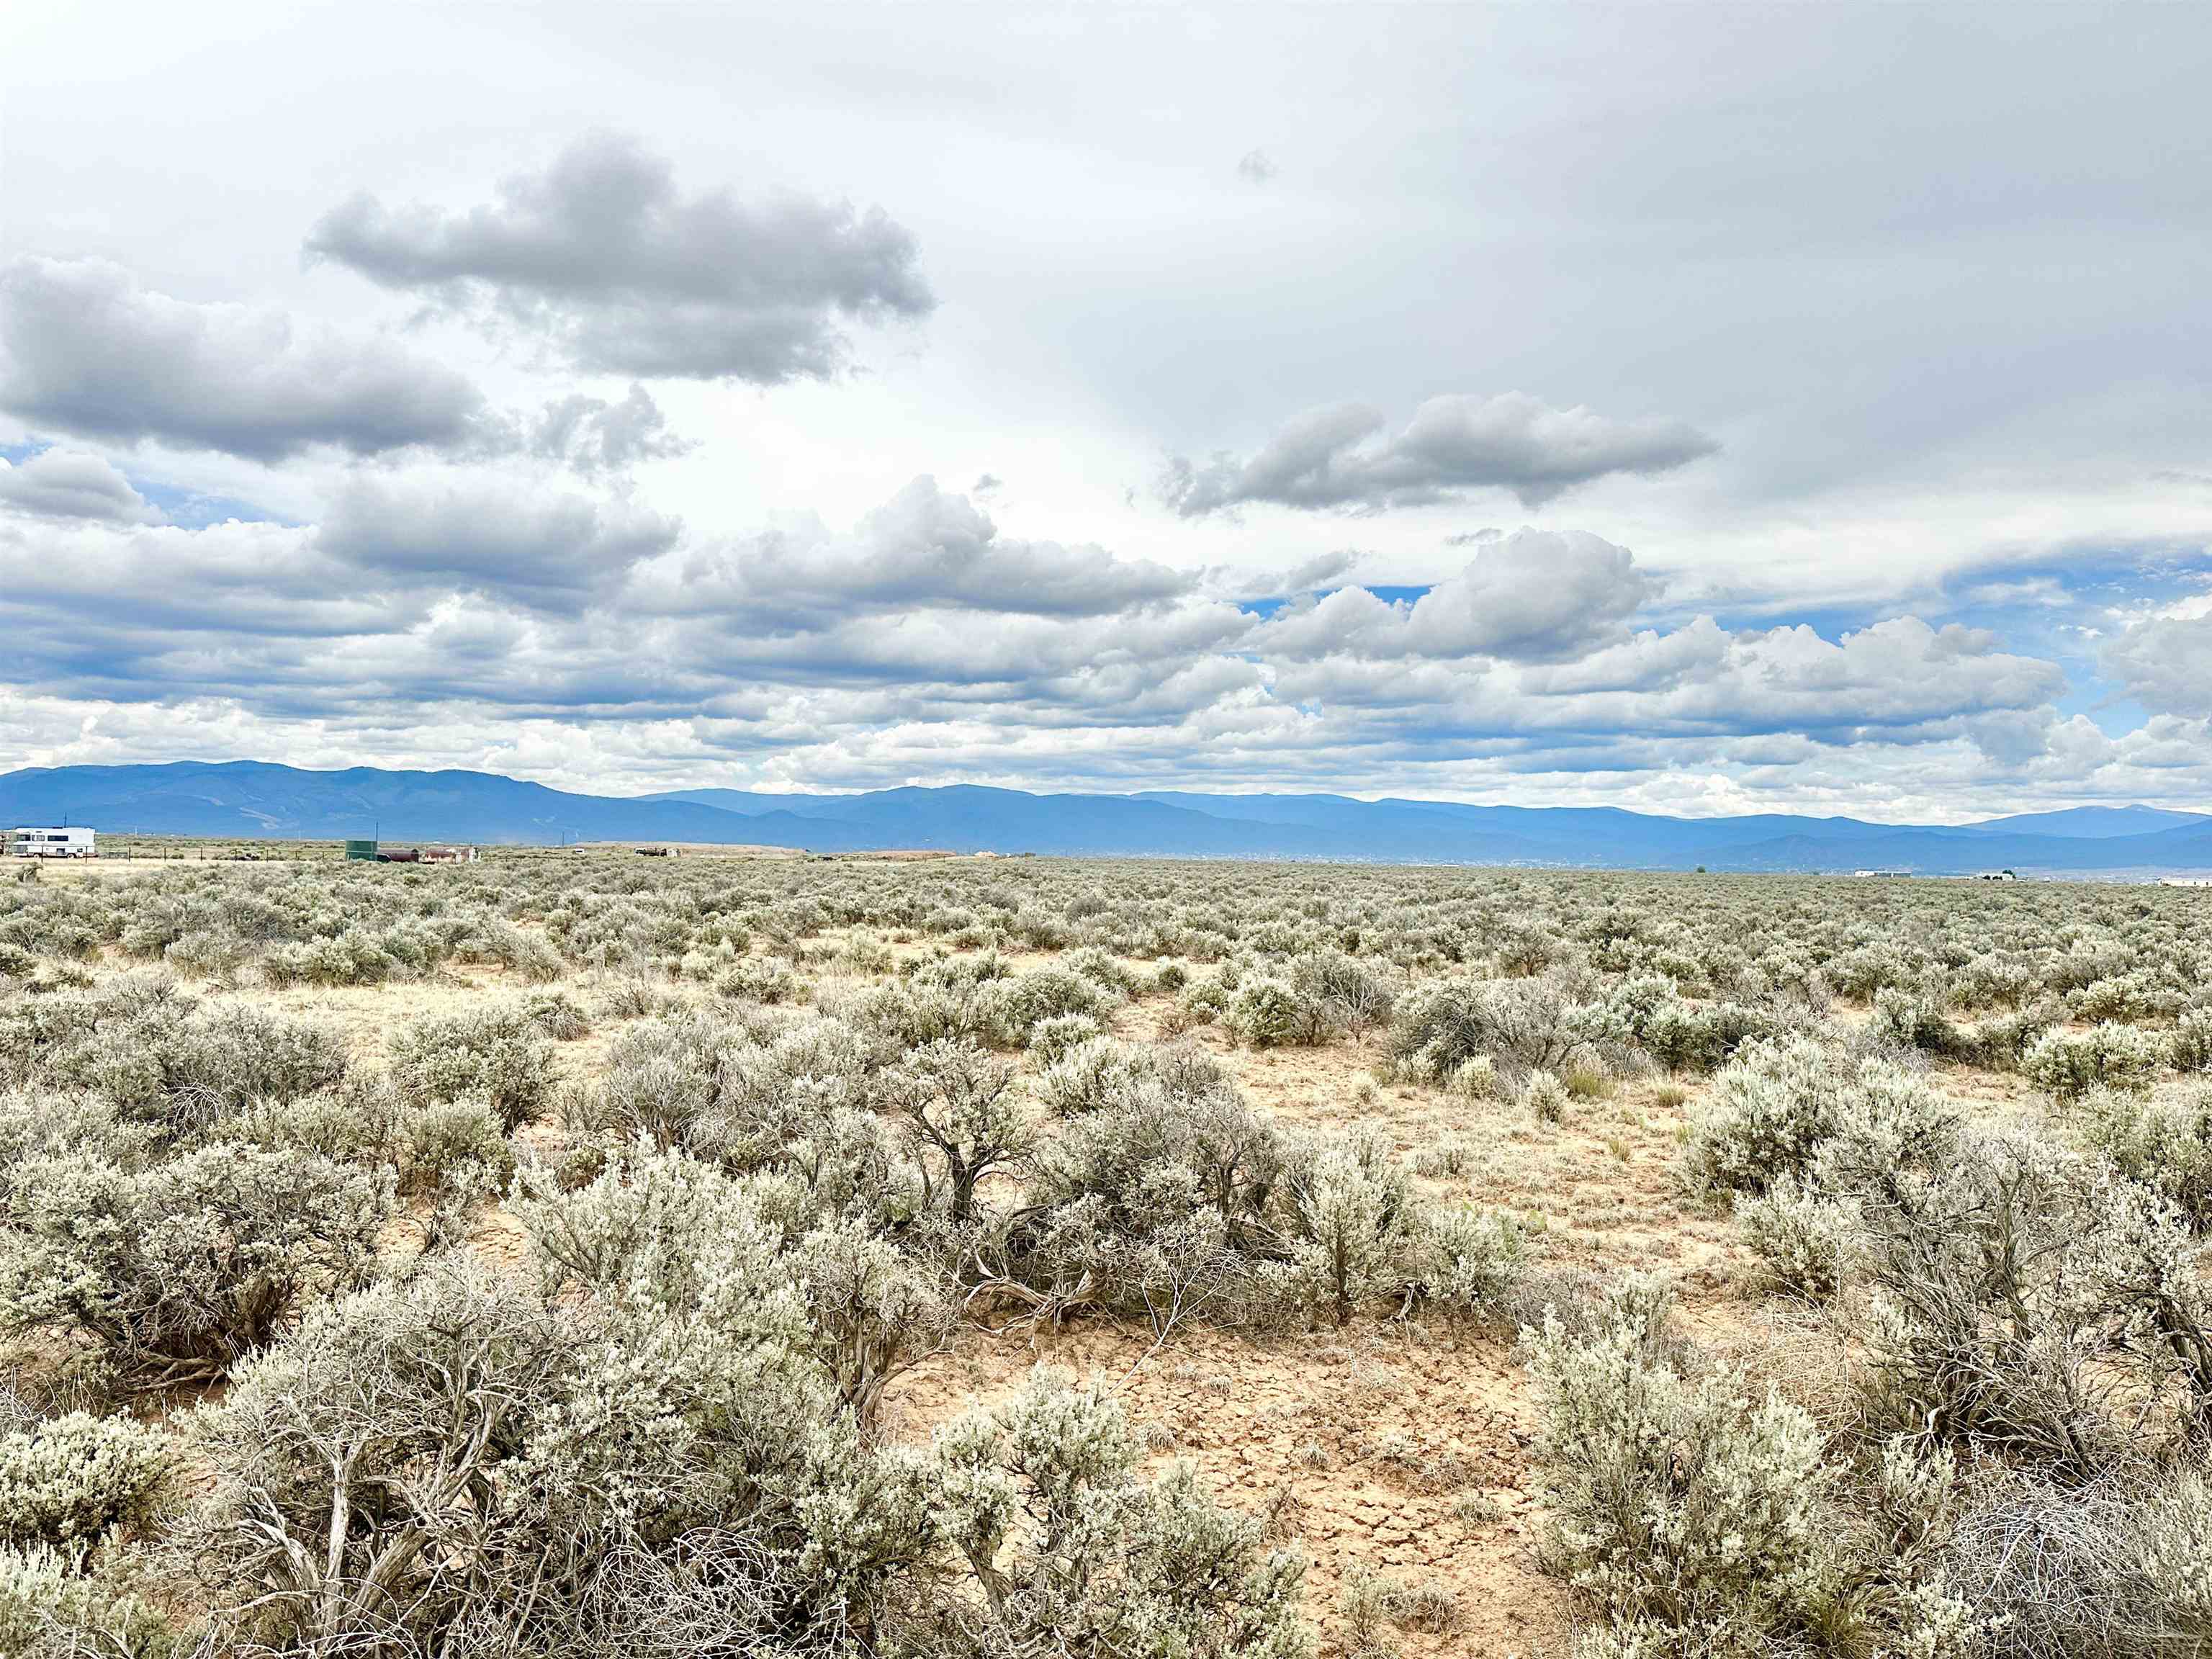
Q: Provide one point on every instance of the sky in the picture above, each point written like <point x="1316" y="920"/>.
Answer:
<point x="1697" y="409"/>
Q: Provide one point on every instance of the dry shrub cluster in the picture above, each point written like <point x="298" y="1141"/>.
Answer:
<point x="2026" y="1307"/>
<point x="834" y="1113"/>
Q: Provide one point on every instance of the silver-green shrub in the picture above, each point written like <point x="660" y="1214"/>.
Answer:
<point x="51" y="1607"/>
<point x="1683" y="1512"/>
<point x="1074" y="1553"/>
<point x="71" y="1482"/>
<point x="173" y="1273"/>
<point x="2111" y="1056"/>
<point x="1267" y="1012"/>
<point x="500" y="1056"/>
<point x="2162" y="1140"/>
<point x="1348" y="1217"/>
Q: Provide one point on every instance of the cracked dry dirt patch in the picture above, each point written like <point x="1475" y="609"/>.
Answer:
<point x="1369" y="1449"/>
<point x="1402" y="1451"/>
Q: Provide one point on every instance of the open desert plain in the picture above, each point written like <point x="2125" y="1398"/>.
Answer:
<point x="579" y="1253"/>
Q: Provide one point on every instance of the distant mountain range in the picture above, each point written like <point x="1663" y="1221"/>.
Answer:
<point x="249" y="798"/>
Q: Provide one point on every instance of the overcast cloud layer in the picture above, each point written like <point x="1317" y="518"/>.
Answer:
<point x="1695" y="410"/>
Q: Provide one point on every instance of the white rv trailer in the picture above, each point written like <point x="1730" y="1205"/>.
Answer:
<point x="53" y="843"/>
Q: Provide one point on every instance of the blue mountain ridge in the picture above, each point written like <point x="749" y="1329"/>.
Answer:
<point x="257" y="799"/>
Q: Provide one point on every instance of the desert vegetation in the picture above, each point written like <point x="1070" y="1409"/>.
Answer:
<point x="571" y="1254"/>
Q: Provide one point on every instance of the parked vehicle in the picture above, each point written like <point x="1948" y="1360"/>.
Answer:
<point x="51" y="843"/>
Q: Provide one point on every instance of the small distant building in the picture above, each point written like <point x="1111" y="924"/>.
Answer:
<point x="1996" y="875"/>
<point x="53" y="843"/>
<point x="374" y="852"/>
<point x="1871" y="875"/>
<point x="2185" y="881"/>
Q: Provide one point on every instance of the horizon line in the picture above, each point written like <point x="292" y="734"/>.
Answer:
<point x="1036" y="791"/>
